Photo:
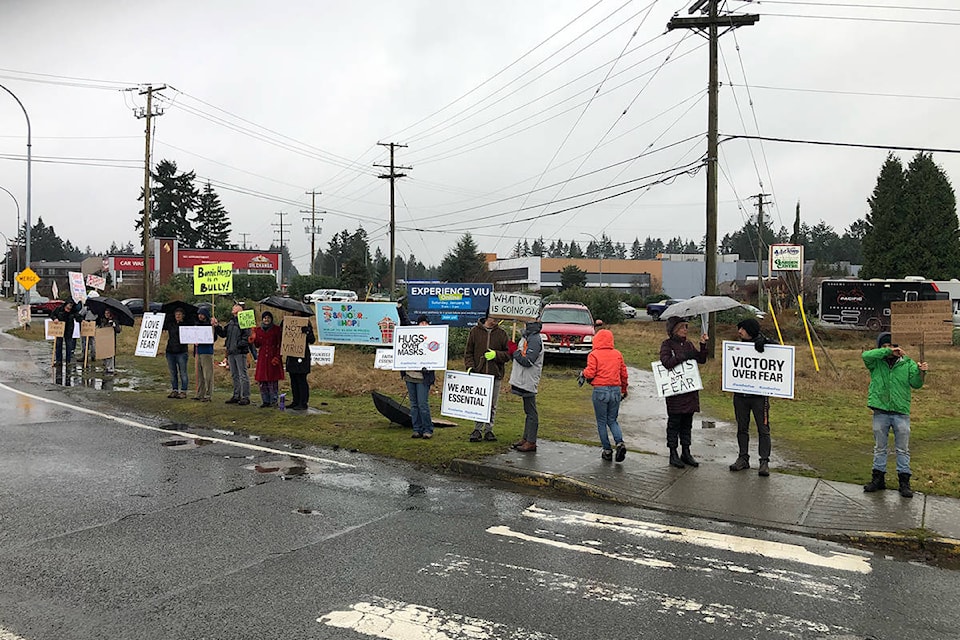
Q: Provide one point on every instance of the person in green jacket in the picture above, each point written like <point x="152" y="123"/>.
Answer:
<point x="892" y="376"/>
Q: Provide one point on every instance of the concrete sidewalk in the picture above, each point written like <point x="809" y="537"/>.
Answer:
<point x="780" y="501"/>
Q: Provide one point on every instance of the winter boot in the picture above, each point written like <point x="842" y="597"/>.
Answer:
<point x="905" y="489"/>
<point x="878" y="483"/>
<point x="764" y="469"/>
<point x="741" y="463"/>
<point x="687" y="459"/>
<point x="675" y="459"/>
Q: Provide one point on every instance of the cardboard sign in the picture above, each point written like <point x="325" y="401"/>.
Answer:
<point x="23" y="315"/>
<point x="357" y="322"/>
<point x="683" y="378"/>
<point x="384" y="359"/>
<point x="321" y="356"/>
<point x="516" y="306"/>
<point x="54" y="329"/>
<point x="88" y="329"/>
<point x="925" y="321"/>
<point x="78" y="289"/>
<point x="420" y="347"/>
<point x="196" y="335"/>
<point x="746" y="370"/>
<point x="96" y="282"/>
<point x="28" y="278"/>
<point x="106" y="339"/>
<point x="213" y="278"/>
<point x="293" y="342"/>
<point x="148" y="341"/>
<point x="247" y="319"/>
<point x="467" y="395"/>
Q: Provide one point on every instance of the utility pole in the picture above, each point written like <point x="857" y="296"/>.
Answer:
<point x="280" y="226"/>
<point x="761" y="254"/>
<point x="244" y="236"/>
<point x="147" y="114"/>
<point x="392" y="176"/>
<point x="709" y="25"/>
<point x="313" y="229"/>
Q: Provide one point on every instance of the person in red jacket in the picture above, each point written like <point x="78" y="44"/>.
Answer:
<point x="674" y="351"/>
<point x="607" y="372"/>
<point x="269" y="371"/>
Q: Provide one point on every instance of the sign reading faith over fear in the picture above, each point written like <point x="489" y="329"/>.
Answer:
<point x="420" y="347"/>
<point x="922" y="322"/>
<point x="683" y="378"/>
<point x="467" y="395"/>
<point x="148" y="341"/>
<point x="321" y="355"/>
<point x="213" y="278"/>
<point x="515" y="306"/>
<point x="746" y="370"/>
<point x="247" y="319"/>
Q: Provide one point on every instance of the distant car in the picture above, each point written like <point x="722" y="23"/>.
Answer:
<point x="43" y="306"/>
<point x="136" y="306"/>
<point x="627" y="310"/>
<point x="654" y="309"/>
<point x="330" y="295"/>
<point x="568" y="329"/>
<point x="752" y="309"/>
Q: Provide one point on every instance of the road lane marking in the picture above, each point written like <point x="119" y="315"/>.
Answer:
<point x="394" y="620"/>
<point x="528" y="579"/>
<point x="138" y="425"/>
<point x="9" y="635"/>
<point x="725" y="542"/>
<point x="647" y="562"/>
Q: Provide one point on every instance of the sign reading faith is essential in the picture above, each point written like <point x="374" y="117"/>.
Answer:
<point x="357" y="322"/>
<point x="148" y="341"/>
<point x="321" y="355"/>
<point x="97" y="282"/>
<point x="683" y="378"/>
<point x="420" y="347"/>
<point x="78" y="289"/>
<point x="467" y="396"/>
<point x="201" y="334"/>
<point x="247" y="319"/>
<point x="28" y="278"/>
<point x="383" y="359"/>
<point x="746" y="370"/>
<point x="515" y="306"/>
<point x="293" y="341"/>
<point x="922" y="322"/>
<point x="213" y="278"/>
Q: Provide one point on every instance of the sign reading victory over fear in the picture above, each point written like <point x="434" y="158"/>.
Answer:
<point x="746" y="370"/>
<point x="467" y="395"/>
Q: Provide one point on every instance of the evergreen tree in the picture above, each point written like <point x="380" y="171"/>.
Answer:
<point x="537" y="248"/>
<point x="574" y="250"/>
<point x="620" y="251"/>
<point x="463" y="263"/>
<point x="212" y="222"/>
<point x="288" y="269"/>
<point x="560" y="251"/>
<point x="173" y="199"/>
<point x="526" y="250"/>
<point x="886" y="245"/>
<point x="636" y="250"/>
<point x="356" y="270"/>
<point x="572" y="276"/>
<point x="45" y="244"/>
<point x="931" y="207"/>
<point x="593" y="250"/>
<point x="652" y="248"/>
<point x="381" y="270"/>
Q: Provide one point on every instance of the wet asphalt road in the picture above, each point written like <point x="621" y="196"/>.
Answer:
<point x="108" y="533"/>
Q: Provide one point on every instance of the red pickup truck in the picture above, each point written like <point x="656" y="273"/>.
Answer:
<point x="43" y="306"/>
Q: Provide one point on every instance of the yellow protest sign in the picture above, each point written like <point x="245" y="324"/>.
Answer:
<point x="28" y="278"/>
<point x="213" y="278"/>
<point x="247" y="319"/>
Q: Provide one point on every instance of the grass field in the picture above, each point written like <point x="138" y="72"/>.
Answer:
<point x="827" y="427"/>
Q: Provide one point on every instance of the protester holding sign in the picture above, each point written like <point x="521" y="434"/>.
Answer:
<point x="269" y="371"/>
<point x="237" y="344"/>
<point x="108" y="320"/>
<point x="524" y="381"/>
<point x="487" y="351"/>
<point x="204" y="355"/>
<point x="746" y="403"/>
<point x="177" y="354"/>
<point x="67" y="314"/>
<point x="419" y="382"/>
<point x="299" y="368"/>
<point x="674" y="351"/>
<point x="607" y="372"/>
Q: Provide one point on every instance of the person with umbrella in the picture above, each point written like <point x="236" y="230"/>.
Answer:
<point x="110" y="319"/>
<point x="674" y="351"/>
<point x="110" y="313"/>
<point x="269" y="370"/>
<point x="175" y="351"/>
<point x="237" y="344"/>
<point x="299" y="367"/>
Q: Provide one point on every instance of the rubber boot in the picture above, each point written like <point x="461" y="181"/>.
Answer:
<point x="905" y="489"/>
<point x="878" y="483"/>
<point x="687" y="459"/>
<point x="675" y="459"/>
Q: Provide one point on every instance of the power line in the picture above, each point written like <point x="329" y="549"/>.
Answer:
<point x="60" y="77"/>
<point x="938" y="23"/>
<point x="892" y="7"/>
<point x="870" y="94"/>
<point x="826" y="143"/>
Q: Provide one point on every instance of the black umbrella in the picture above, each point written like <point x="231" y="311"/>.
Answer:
<point x="287" y="304"/>
<point x="121" y="312"/>
<point x="189" y="310"/>
<point x="392" y="410"/>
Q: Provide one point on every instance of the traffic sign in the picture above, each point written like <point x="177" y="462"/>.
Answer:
<point x="28" y="278"/>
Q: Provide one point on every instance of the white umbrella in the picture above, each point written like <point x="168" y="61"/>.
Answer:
<point x="699" y="305"/>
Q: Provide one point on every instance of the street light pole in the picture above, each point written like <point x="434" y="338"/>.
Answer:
<point x="29" y="165"/>
<point x="599" y="253"/>
<point x="16" y="202"/>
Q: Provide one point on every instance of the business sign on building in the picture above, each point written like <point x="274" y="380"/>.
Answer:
<point x="514" y="306"/>
<point x="786" y="257"/>
<point x="357" y="322"/>
<point x="453" y="304"/>
<point x="746" y="370"/>
<point x="242" y="260"/>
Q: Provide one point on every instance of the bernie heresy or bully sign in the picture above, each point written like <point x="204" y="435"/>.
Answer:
<point x="357" y="322"/>
<point x="213" y="278"/>
<point x="420" y="347"/>
<point x="683" y="378"/>
<point x="746" y="370"/>
<point x="453" y="304"/>
<point x="467" y="395"/>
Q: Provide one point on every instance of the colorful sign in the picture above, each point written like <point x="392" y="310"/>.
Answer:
<point x="213" y="278"/>
<point x="148" y="341"/>
<point x="247" y="319"/>
<point x="189" y="258"/>
<point x="28" y="278"/>
<point x="786" y="257"/>
<point x="467" y="395"/>
<point x="420" y="347"/>
<point x="78" y="288"/>
<point x="96" y="282"/>
<point x="383" y="359"/>
<point x="456" y="305"/>
<point x="515" y="306"/>
<point x="202" y="334"/>
<point x="321" y="355"/>
<point x="683" y="378"/>
<point x="357" y="322"/>
<point x="746" y="370"/>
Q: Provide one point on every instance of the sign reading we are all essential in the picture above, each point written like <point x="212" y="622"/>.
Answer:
<point x="683" y="378"/>
<point x="467" y="395"/>
<point x="213" y="278"/>
<point x="515" y="306"/>
<point x="746" y="370"/>
<point x="420" y="347"/>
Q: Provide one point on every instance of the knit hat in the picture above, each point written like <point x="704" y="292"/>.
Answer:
<point x="751" y="326"/>
<point x="672" y="323"/>
<point x="266" y="314"/>
<point x="884" y="338"/>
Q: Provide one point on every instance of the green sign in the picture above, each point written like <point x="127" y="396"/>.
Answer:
<point x="247" y="319"/>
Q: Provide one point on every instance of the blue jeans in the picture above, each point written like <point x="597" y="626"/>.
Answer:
<point x="68" y="344"/>
<point x="419" y="393"/>
<point x="238" y="371"/>
<point x="177" y="364"/>
<point x="882" y="424"/>
<point x="606" y="406"/>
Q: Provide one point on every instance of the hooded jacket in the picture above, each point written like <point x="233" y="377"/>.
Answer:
<point x="527" y="361"/>
<point x="605" y="365"/>
<point x="479" y="341"/>
<point x="673" y="352"/>
<point x="891" y="380"/>
<point x="68" y="318"/>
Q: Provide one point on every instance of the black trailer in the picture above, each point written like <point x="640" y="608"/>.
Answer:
<point x="865" y="304"/>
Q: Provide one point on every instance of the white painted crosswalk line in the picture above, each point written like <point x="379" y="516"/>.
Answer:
<point x="9" y="635"/>
<point x="393" y="620"/>
<point x="738" y="544"/>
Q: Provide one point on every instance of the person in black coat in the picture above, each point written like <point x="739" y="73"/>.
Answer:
<point x="674" y="351"/>
<point x="299" y="368"/>
<point x="67" y="314"/>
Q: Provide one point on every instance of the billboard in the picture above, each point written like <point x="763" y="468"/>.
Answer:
<point x="357" y="322"/>
<point x="449" y="303"/>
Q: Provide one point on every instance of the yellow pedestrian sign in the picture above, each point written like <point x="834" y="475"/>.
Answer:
<point x="28" y="278"/>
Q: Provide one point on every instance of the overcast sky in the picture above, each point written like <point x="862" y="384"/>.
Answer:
<point x="496" y="100"/>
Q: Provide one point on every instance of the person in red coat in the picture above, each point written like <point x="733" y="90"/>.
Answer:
<point x="269" y="373"/>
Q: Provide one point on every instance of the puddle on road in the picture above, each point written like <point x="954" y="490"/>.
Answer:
<point x="179" y="443"/>
<point x="287" y="468"/>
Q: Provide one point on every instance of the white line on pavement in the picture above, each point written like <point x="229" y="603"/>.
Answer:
<point x="647" y="562"/>
<point x="9" y="635"/>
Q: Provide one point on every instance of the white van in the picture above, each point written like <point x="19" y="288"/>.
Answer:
<point x="330" y="295"/>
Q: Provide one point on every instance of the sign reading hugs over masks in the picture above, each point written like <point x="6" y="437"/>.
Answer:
<point x="420" y="347"/>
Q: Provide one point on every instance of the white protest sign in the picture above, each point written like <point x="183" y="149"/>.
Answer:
<point x="151" y="328"/>
<point x="50" y="332"/>
<point x="420" y="347"/>
<point x="23" y="314"/>
<point x="196" y="335"/>
<point x="78" y="290"/>
<point x="97" y="282"/>
<point x="384" y="359"/>
<point x="516" y="306"/>
<point x="467" y="395"/>
<point x="683" y="378"/>
<point x="321" y="356"/>
<point x="746" y="370"/>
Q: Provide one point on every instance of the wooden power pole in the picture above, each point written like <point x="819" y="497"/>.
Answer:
<point x="313" y="229"/>
<point x="392" y="176"/>
<point x="147" y="114"/>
